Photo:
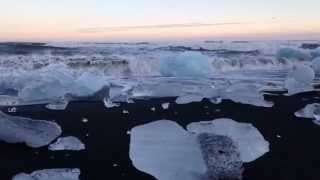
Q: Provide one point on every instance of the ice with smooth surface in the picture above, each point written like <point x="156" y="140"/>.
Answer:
<point x="250" y="142"/>
<point x="166" y="151"/>
<point x="300" y="79"/>
<point x="50" y="174"/>
<point x="311" y="111"/>
<point x="192" y="64"/>
<point x="34" y="133"/>
<point x="316" y="65"/>
<point x="67" y="143"/>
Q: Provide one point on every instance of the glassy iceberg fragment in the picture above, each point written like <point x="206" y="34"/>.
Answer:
<point x="57" y="106"/>
<point x="294" y="54"/>
<point x="186" y="64"/>
<point x="316" y="65"/>
<point x="67" y="143"/>
<point x="50" y="174"/>
<point x="250" y="142"/>
<point x="300" y="79"/>
<point x="34" y="133"/>
<point x="166" y="151"/>
<point x="311" y="111"/>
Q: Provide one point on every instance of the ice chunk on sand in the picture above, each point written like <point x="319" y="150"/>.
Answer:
<point x="246" y="94"/>
<point x="300" y="79"/>
<point x="166" y="151"/>
<point x="67" y="143"/>
<point x="58" y="106"/>
<point x="192" y="64"/>
<point x="294" y="54"/>
<point x="248" y="139"/>
<point x="209" y="150"/>
<point x="316" y="65"/>
<point x="311" y="111"/>
<point x="35" y="133"/>
<point x="165" y="105"/>
<point x="50" y="174"/>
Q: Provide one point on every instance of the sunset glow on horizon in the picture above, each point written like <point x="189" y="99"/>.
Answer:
<point x="98" y="20"/>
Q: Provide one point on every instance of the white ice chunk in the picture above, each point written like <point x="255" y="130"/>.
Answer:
<point x="58" y="106"/>
<point x="50" y="174"/>
<point x="250" y="142"/>
<point x="192" y="64"/>
<point x="35" y="133"/>
<point x="166" y="151"/>
<point x="316" y="65"/>
<point x="311" y="111"/>
<point x="246" y="94"/>
<point x="165" y="105"/>
<point x="67" y="143"/>
<point x="300" y="79"/>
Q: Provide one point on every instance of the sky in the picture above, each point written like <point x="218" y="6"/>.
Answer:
<point x="144" y="20"/>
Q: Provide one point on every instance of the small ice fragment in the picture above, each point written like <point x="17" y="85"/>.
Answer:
<point x="85" y="120"/>
<point x="50" y="174"/>
<point x="67" y="143"/>
<point x="279" y="136"/>
<point x="316" y="65"/>
<point x="35" y="133"/>
<point x="311" y="111"/>
<point x="125" y="112"/>
<point x="153" y="109"/>
<point x="109" y="104"/>
<point x="165" y="105"/>
<point x="58" y="106"/>
<point x="300" y="79"/>
<point x="248" y="139"/>
<point x="189" y="99"/>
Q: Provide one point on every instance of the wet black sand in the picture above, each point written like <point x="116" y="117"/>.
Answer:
<point x="294" y="156"/>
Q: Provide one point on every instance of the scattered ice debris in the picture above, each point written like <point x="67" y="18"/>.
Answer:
<point x="165" y="105"/>
<point x="34" y="133"/>
<point x="8" y="100"/>
<point x="50" y="174"/>
<point x="85" y="120"/>
<point x="125" y="112"/>
<point x="57" y="106"/>
<point x="193" y="64"/>
<point x="248" y="139"/>
<point x="208" y="150"/>
<point x="300" y="79"/>
<point x="293" y="54"/>
<point x="67" y="143"/>
<point x="311" y="111"/>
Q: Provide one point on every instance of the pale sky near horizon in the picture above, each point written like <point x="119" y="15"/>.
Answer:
<point x="103" y="20"/>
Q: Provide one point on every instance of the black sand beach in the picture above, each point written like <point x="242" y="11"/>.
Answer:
<point x="293" y="155"/>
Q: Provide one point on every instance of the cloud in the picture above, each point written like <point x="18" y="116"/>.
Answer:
<point x="159" y="26"/>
